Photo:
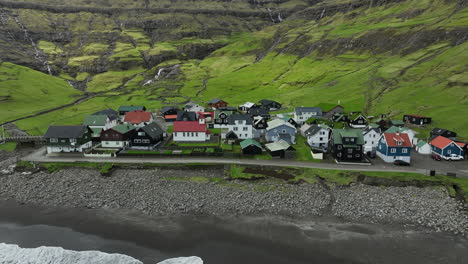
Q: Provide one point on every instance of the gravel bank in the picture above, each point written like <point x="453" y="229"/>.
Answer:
<point x="161" y="192"/>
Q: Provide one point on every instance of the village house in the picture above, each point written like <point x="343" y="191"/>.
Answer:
<point x="269" y="104"/>
<point x="357" y="120"/>
<point x="443" y="132"/>
<point x="118" y="136"/>
<point x="371" y="136"/>
<point x="422" y="147"/>
<point x="339" y="117"/>
<point x="394" y="146"/>
<point x="97" y="121"/>
<point x="411" y="133"/>
<point x="130" y="108"/>
<point x="397" y="123"/>
<point x="190" y="131"/>
<point x="318" y="136"/>
<point x="417" y="120"/>
<point x="347" y="145"/>
<point x="303" y="129"/>
<point x="259" y="125"/>
<point x="329" y="110"/>
<point x="241" y="125"/>
<point x="245" y="107"/>
<point x="262" y="112"/>
<point x="301" y="114"/>
<point x="251" y="147"/>
<point x="280" y="149"/>
<point x="217" y="103"/>
<point x="169" y="113"/>
<point x="221" y="118"/>
<point x="447" y="148"/>
<point x="110" y="113"/>
<point x="291" y="121"/>
<point x="138" y="118"/>
<point x="147" y="137"/>
<point x="68" y="138"/>
<point x="186" y="116"/>
<point x="193" y="107"/>
<point x="278" y="129"/>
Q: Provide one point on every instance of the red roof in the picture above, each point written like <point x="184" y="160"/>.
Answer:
<point x="392" y="139"/>
<point x="137" y="117"/>
<point x="170" y="116"/>
<point x="418" y="116"/>
<point x="205" y="114"/>
<point x="442" y="142"/>
<point x="189" y="126"/>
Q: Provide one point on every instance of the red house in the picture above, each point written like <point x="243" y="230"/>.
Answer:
<point x="138" y="118"/>
<point x="217" y="103"/>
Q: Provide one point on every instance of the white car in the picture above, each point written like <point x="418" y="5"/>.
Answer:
<point x="453" y="157"/>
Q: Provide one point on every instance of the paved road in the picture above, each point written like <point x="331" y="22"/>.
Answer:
<point x="39" y="156"/>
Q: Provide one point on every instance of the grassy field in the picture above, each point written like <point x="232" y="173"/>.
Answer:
<point x="24" y="91"/>
<point x="10" y="146"/>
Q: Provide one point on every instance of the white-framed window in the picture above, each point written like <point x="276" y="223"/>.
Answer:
<point x="236" y="128"/>
<point x="358" y="155"/>
<point x="346" y="140"/>
<point x="141" y="133"/>
<point x="340" y="147"/>
<point x="183" y="134"/>
<point x="72" y="140"/>
<point x="350" y="150"/>
<point x="393" y="150"/>
<point x="245" y="128"/>
<point x="283" y="131"/>
<point x="405" y="150"/>
<point x="449" y="151"/>
<point x="196" y="134"/>
<point x="137" y="140"/>
<point x="338" y="155"/>
<point x="146" y="141"/>
<point x="54" y="140"/>
<point x="399" y="143"/>
<point x="106" y="142"/>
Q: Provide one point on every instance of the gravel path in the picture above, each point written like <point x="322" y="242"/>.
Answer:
<point x="166" y="192"/>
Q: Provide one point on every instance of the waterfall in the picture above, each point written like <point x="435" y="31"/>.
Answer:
<point x="156" y="77"/>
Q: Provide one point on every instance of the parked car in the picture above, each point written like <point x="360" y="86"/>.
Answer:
<point x="436" y="157"/>
<point x="454" y="157"/>
<point x="400" y="163"/>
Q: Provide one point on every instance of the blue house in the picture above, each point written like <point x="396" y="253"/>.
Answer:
<point x="446" y="147"/>
<point x="394" y="146"/>
<point x="279" y="129"/>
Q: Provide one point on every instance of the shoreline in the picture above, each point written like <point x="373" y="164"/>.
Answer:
<point x="242" y="239"/>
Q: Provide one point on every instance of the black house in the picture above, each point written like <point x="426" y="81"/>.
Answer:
<point x="347" y="144"/>
<point x="251" y="147"/>
<point x="186" y="116"/>
<point x="147" y="137"/>
<point x="417" y="120"/>
<point x="260" y="123"/>
<point x="442" y="132"/>
<point x="269" y="104"/>
<point x="169" y="110"/>
<point x="259" y="112"/>
<point x="357" y="120"/>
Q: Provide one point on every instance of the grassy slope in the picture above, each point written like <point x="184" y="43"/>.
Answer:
<point x="366" y="77"/>
<point x="24" y="91"/>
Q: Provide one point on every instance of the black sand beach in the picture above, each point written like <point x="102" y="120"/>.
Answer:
<point x="235" y="240"/>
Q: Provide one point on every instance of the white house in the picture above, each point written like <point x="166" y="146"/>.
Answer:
<point x="371" y="138"/>
<point x="241" y="125"/>
<point x="245" y="107"/>
<point x="190" y="131"/>
<point x="301" y="114"/>
<point x="68" y="138"/>
<point x="318" y="136"/>
<point x="422" y="147"/>
<point x="99" y="121"/>
<point x="194" y="107"/>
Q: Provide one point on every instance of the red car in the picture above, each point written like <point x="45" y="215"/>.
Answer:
<point x="436" y="157"/>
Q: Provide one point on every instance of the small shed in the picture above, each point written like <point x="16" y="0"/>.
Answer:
<point x="422" y="147"/>
<point x="279" y="149"/>
<point x="251" y="147"/>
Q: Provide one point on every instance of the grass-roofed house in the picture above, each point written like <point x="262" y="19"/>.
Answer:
<point x="68" y="138"/>
<point x="118" y="136"/>
<point x="130" y="108"/>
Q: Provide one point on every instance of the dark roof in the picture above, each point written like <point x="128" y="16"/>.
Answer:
<point x="228" y="108"/>
<point x="370" y="128"/>
<point x="129" y="108"/>
<point x="215" y="101"/>
<point x="231" y="135"/>
<point x="111" y="113"/>
<point x="232" y="118"/>
<point x="300" y="110"/>
<point x="439" y="131"/>
<point x="258" y="111"/>
<point x="153" y="130"/>
<point x="186" y="116"/>
<point x="338" y="134"/>
<point x="266" y="102"/>
<point x="313" y="129"/>
<point x="167" y="108"/>
<point x="66" y="131"/>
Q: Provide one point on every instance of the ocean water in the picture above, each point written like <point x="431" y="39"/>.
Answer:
<point x="236" y="240"/>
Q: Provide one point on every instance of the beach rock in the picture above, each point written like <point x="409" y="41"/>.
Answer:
<point x="183" y="260"/>
<point x="13" y="254"/>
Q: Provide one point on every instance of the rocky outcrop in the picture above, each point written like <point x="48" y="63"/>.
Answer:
<point x="187" y="260"/>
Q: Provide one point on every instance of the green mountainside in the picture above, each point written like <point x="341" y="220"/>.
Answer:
<point x="393" y="57"/>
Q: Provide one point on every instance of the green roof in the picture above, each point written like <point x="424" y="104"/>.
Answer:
<point x="338" y="135"/>
<point x="355" y="115"/>
<point x="123" y="128"/>
<point x="249" y="142"/>
<point x="96" y="132"/>
<point x="421" y="143"/>
<point x="95" y="120"/>
<point x="130" y="108"/>
<point x="326" y="106"/>
<point x="373" y="125"/>
<point x="397" y="122"/>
